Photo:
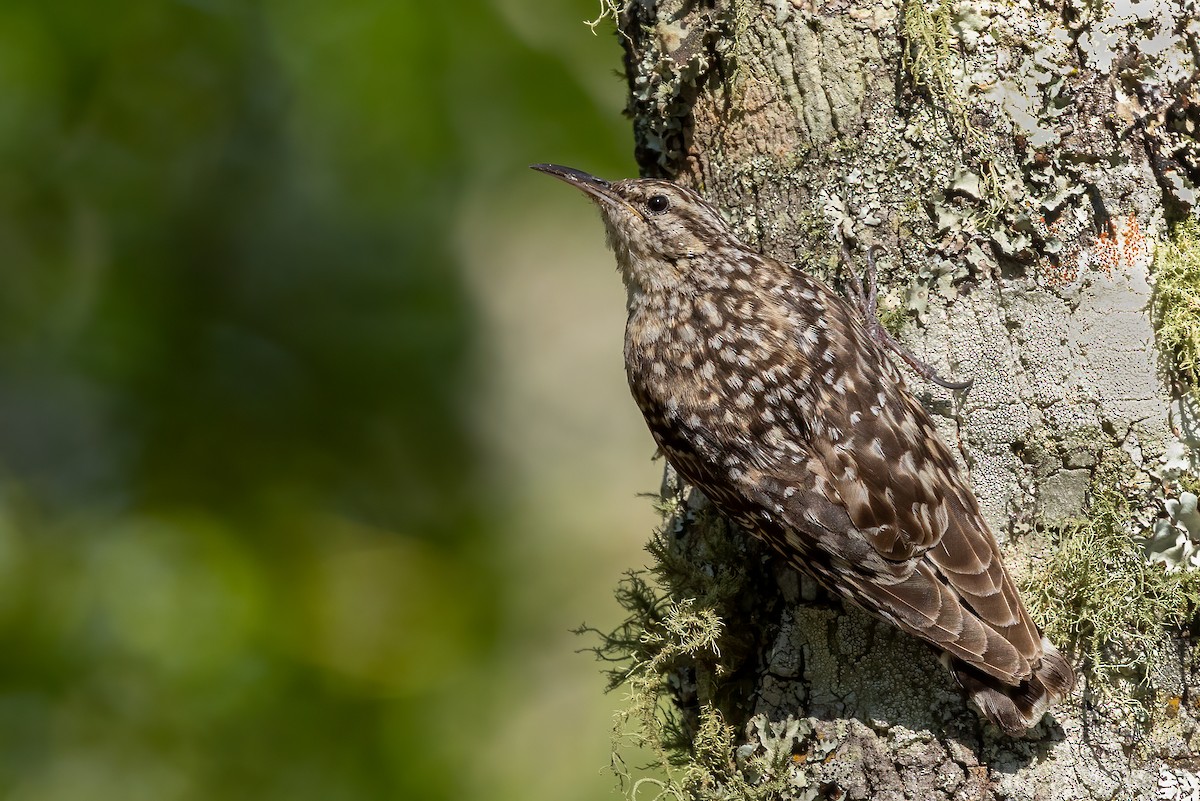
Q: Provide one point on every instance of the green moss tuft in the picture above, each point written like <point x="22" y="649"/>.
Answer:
<point x="929" y="55"/>
<point x="893" y="319"/>
<point x="1099" y="594"/>
<point x="686" y="672"/>
<point x="1175" y="304"/>
<point x="684" y="632"/>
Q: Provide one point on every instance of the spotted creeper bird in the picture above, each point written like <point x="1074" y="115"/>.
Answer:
<point x="773" y="396"/>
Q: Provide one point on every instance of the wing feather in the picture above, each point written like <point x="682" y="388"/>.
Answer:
<point x="883" y="503"/>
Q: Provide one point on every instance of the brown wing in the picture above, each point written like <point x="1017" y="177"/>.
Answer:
<point x="876" y="448"/>
<point x="882" y="498"/>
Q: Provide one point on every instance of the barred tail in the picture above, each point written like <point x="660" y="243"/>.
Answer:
<point x="1016" y="708"/>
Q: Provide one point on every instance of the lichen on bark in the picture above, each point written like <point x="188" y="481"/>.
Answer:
<point x="1175" y="303"/>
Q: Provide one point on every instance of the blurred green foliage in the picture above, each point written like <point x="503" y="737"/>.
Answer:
<point x="244" y="524"/>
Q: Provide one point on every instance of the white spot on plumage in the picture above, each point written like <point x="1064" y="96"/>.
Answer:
<point x="942" y="517"/>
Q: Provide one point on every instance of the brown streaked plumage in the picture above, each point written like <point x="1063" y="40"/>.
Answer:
<point x="764" y="389"/>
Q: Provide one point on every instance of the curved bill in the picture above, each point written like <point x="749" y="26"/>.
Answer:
<point x="597" y="188"/>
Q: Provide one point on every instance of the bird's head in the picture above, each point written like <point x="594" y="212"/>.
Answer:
<point x="660" y="232"/>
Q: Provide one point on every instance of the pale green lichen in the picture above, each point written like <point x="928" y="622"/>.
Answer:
<point x="1101" y="596"/>
<point x="936" y="34"/>
<point x="929" y="55"/>
<point x="1175" y="540"/>
<point x="719" y="769"/>
<point x="682" y="632"/>
<point x="673" y="63"/>
<point x="672" y="656"/>
<point x="1175" y="303"/>
<point x="700" y="759"/>
<point x="609" y="9"/>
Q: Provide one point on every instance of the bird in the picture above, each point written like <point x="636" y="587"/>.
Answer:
<point x="771" y="394"/>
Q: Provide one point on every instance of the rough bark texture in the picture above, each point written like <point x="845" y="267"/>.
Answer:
<point x="1017" y="161"/>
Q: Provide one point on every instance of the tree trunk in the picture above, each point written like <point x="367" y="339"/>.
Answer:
<point x="1028" y="168"/>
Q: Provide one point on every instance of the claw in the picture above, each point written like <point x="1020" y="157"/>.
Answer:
<point x="867" y="302"/>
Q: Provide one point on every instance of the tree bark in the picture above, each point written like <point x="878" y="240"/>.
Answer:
<point x="1019" y="163"/>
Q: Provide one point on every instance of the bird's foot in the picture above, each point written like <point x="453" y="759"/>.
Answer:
<point x="868" y="306"/>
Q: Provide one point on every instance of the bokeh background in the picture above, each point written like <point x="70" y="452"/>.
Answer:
<point x="314" y="439"/>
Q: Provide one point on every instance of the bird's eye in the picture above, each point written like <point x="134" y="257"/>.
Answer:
<point x="658" y="203"/>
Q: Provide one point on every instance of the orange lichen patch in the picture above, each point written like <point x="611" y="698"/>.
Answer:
<point x="1064" y="273"/>
<point x="1120" y="245"/>
<point x="1173" y="706"/>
